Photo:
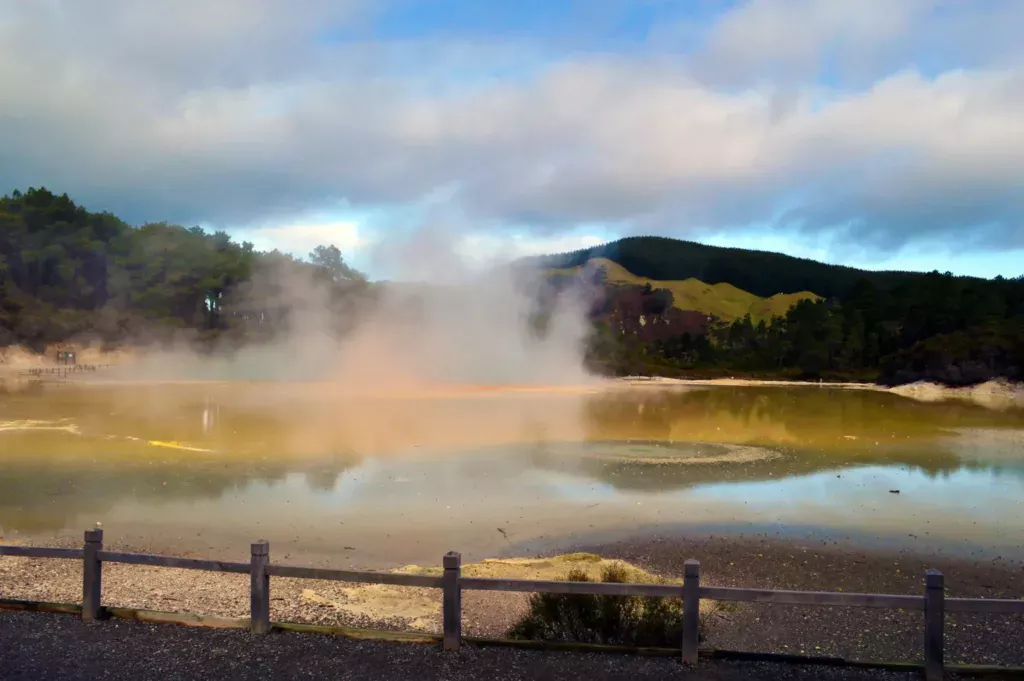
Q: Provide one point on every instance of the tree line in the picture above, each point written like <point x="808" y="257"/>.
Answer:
<point x="954" y="330"/>
<point x="759" y="272"/>
<point x="70" y="274"/>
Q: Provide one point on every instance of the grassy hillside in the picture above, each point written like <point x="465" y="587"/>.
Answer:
<point x="722" y="300"/>
<point x="759" y="272"/>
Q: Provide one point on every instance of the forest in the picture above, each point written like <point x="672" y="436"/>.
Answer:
<point x="68" y="274"/>
<point x="892" y="327"/>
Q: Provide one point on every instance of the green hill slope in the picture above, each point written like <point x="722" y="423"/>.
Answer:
<point x="723" y="300"/>
<point x="759" y="272"/>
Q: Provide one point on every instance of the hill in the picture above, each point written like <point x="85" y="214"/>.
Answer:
<point x="723" y="300"/>
<point x="70" y="274"/>
<point x="758" y="272"/>
<point x="891" y="326"/>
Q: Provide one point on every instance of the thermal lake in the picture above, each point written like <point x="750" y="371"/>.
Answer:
<point x="206" y="468"/>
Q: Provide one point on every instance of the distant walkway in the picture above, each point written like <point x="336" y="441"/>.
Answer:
<point x="47" y="646"/>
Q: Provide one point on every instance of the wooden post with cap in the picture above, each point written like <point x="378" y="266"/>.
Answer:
<point x="259" y="594"/>
<point x="452" y="595"/>
<point x="691" y="610"/>
<point x="92" y="574"/>
<point x="934" y="621"/>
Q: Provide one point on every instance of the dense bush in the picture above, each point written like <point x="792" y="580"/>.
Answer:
<point x="616" y="620"/>
<point x="70" y="274"/>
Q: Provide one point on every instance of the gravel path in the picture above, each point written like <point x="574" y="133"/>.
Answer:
<point x="47" y="646"/>
<point x="851" y="633"/>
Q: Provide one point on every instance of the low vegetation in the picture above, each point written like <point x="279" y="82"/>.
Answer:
<point x="615" y="620"/>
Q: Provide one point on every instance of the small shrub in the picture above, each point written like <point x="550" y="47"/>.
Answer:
<point x="615" y="620"/>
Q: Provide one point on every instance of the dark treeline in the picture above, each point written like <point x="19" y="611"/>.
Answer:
<point x="954" y="330"/>
<point x="70" y="274"/>
<point x="759" y="272"/>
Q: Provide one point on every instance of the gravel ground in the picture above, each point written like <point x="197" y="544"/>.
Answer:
<point x="852" y="633"/>
<point x="47" y="646"/>
<point x="486" y="614"/>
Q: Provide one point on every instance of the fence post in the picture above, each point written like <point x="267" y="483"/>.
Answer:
<point x="691" y="610"/>
<point x="452" y="594"/>
<point x="92" y="575"/>
<point x="259" y="591"/>
<point x="934" y="605"/>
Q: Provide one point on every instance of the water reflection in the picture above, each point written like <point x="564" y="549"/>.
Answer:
<point x="270" y="453"/>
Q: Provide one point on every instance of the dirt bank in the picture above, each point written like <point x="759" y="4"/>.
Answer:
<point x="760" y="561"/>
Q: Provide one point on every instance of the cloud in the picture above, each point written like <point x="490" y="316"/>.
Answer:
<point x="302" y="238"/>
<point x="856" y="41"/>
<point x="482" y="248"/>
<point x="245" y="114"/>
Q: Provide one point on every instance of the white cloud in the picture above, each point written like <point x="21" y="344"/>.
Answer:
<point x="786" y="41"/>
<point x="302" y="238"/>
<point x="484" y="248"/>
<point x="170" y="110"/>
<point x="780" y="38"/>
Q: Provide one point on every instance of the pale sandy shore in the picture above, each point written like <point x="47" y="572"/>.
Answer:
<point x="740" y="382"/>
<point x="998" y="394"/>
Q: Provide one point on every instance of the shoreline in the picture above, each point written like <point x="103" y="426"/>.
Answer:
<point x="754" y="561"/>
<point x="995" y="394"/>
<point x="999" y="393"/>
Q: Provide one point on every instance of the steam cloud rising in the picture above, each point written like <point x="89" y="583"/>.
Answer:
<point x="464" y="327"/>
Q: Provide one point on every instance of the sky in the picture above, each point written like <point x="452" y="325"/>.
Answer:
<point x="874" y="133"/>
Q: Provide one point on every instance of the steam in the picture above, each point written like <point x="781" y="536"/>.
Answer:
<point x="446" y="323"/>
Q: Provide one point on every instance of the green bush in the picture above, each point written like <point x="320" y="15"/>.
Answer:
<point x="615" y="620"/>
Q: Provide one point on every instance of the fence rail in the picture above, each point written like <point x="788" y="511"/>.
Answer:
<point x="780" y="597"/>
<point x="39" y="552"/>
<point x="63" y="371"/>
<point x="584" y="588"/>
<point x="349" y="576"/>
<point x="932" y="601"/>
<point x="172" y="562"/>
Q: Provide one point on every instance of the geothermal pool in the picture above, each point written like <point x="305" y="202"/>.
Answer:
<point x="205" y="468"/>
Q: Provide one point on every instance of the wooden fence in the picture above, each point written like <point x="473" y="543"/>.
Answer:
<point x="932" y="603"/>
<point x="64" y="371"/>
